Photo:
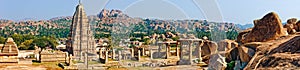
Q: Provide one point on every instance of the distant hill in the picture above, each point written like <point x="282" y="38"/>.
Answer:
<point x="244" y="26"/>
<point x="114" y="21"/>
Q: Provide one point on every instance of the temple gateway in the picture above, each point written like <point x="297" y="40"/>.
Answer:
<point x="81" y="40"/>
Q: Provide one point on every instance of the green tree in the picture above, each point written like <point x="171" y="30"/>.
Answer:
<point x="26" y="45"/>
<point x="146" y="41"/>
<point x="41" y="42"/>
<point x="18" y="38"/>
<point x="2" y="40"/>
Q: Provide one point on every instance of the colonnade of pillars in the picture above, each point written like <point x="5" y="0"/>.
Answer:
<point x="179" y="52"/>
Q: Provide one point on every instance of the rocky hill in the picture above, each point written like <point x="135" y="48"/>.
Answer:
<point x="106" y="21"/>
<point x="269" y="45"/>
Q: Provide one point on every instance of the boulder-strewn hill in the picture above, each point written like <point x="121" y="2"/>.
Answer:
<point x="108" y="20"/>
<point x="267" y="46"/>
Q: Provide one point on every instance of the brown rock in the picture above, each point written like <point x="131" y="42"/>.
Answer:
<point x="217" y="62"/>
<point x="226" y="45"/>
<point x="208" y="48"/>
<point x="292" y="21"/>
<point x="291" y="25"/>
<point x="292" y="45"/>
<point x="242" y="34"/>
<point x="290" y="28"/>
<point x="283" y="52"/>
<point x="265" y="29"/>
<point x="279" y="60"/>
<point x="240" y="53"/>
<point x="297" y="26"/>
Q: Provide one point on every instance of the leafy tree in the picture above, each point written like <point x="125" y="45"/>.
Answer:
<point x="2" y="40"/>
<point x="26" y="45"/>
<point x="232" y="34"/>
<point x="44" y="42"/>
<point x="18" y="38"/>
<point x="41" y="42"/>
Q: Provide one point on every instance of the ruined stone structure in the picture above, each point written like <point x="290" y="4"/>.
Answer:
<point x="53" y="56"/>
<point x="9" y="52"/>
<point x="81" y="40"/>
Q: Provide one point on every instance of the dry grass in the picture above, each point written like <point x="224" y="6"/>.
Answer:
<point x="48" y="65"/>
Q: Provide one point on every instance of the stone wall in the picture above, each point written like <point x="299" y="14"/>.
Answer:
<point x="53" y="56"/>
<point x="9" y="59"/>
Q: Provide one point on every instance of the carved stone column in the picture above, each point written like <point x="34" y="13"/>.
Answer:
<point x="190" y="52"/>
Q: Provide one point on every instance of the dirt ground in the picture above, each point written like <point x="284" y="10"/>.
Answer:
<point x="28" y="67"/>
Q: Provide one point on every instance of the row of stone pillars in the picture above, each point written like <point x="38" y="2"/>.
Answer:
<point x="105" y="56"/>
<point x="190" y="45"/>
<point x="168" y="48"/>
<point x="179" y="52"/>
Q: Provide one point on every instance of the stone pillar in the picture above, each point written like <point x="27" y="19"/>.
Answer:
<point x="100" y="53"/>
<point x="113" y="53"/>
<point x="199" y="50"/>
<point x="81" y="57"/>
<point x="125" y="56"/>
<point x="70" y="60"/>
<point x="177" y="50"/>
<point x="190" y="52"/>
<point x="181" y="53"/>
<point x="150" y="50"/>
<point x="143" y="51"/>
<point x="199" y="53"/>
<point x="132" y="52"/>
<point x="119" y="55"/>
<point x="159" y="49"/>
<point x="167" y="50"/>
<point x="139" y="55"/>
<point x="66" y="58"/>
<point x="37" y="56"/>
<point x="106" y="56"/>
<point x="86" y="58"/>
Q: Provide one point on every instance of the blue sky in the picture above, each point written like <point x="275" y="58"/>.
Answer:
<point x="236" y="11"/>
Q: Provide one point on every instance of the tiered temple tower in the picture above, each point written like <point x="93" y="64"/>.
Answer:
<point x="81" y="40"/>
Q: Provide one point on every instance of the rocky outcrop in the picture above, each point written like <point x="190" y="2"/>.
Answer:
<point x="297" y="26"/>
<point x="291" y="46"/>
<point x="217" y="62"/>
<point x="240" y="53"/>
<point x="209" y="47"/>
<point x="226" y="45"/>
<point x="278" y="54"/>
<point x="281" y="60"/>
<point x="113" y="13"/>
<point x="242" y="34"/>
<point x="265" y="29"/>
<point x="291" y="25"/>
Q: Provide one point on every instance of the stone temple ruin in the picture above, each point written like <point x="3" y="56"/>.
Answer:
<point x="188" y="51"/>
<point x="81" y="41"/>
<point x="9" y="52"/>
